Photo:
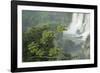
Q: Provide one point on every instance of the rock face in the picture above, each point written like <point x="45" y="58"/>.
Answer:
<point x="86" y="48"/>
<point x="76" y="40"/>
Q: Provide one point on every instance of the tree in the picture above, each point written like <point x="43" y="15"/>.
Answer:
<point x="38" y="44"/>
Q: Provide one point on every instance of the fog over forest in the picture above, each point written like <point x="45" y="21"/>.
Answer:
<point x="55" y="35"/>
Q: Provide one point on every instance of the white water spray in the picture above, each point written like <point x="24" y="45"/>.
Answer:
<point x="79" y="27"/>
<point x="78" y="31"/>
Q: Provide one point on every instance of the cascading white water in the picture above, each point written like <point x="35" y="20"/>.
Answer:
<point x="79" y="27"/>
<point x="78" y="31"/>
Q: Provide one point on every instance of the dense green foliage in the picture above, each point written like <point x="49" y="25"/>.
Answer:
<point x="42" y="35"/>
<point x="39" y="44"/>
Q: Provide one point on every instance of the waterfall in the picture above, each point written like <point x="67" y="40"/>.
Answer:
<point x="78" y="32"/>
<point x="79" y="27"/>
